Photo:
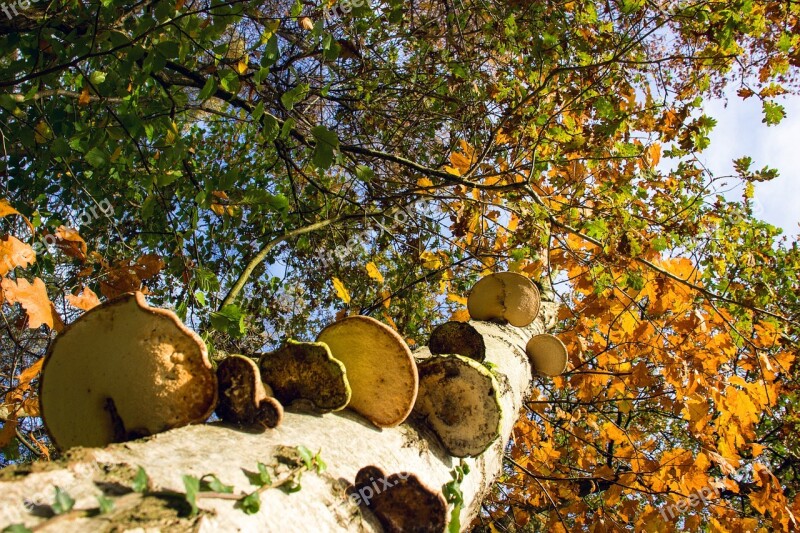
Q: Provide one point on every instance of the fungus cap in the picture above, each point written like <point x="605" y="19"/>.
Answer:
<point x="459" y="338"/>
<point x="504" y="297"/>
<point x="547" y="354"/>
<point x="124" y="370"/>
<point x="380" y="368"/>
<point x="458" y="399"/>
<point x="401" y="502"/>
<point x="306" y="371"/>
<point x="243" y="400"/>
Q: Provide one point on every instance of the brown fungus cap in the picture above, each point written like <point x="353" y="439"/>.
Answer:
<point x="458" y="399"/>
<point x="306" y="371"/>
<point x="458" y="338"/>
<point x="547" y="354"/>
<point x="380" y="368"/>
<point x="124" y="370"/>
<point x="401" y="502"/>
<point x="504" y="297"/>
<point x="243" y="400"/>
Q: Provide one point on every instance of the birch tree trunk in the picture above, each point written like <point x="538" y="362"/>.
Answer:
<point x="347" y="443"/>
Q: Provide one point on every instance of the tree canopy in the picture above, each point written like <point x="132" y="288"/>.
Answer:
<point x="263" y="167"/>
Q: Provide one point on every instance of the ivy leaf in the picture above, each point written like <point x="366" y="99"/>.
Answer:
<point x="211" y="483"/>
<point x="306" y="455"/>
<point x="251" y="503"/>
<point x="141" y="481"/>
<point x="105" y="504"/>
<point x="192" y="485"/>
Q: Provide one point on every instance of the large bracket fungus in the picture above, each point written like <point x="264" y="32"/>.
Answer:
<point x="380" y="368"/>
<point x="401" y="502"/>
<point x="504" y="297"/>
<point x="458" y="398"/>
<point x="124" y="370"/>
<point x="306" y="371"/>
<point x="459" y="338"/>
<point x="243" y="400"/>
<point x="547" y="354"/>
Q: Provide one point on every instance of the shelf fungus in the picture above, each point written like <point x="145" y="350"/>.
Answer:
<point x="459" y="338"/>
<point x="306" y="371"/>
<point x="243" y="400"/>
<point x="504" y="297"/>
<point x="400" y="501"/>
<point x="547" y="354"/>
<point x="458" y="399"/>
<point x="380" y="368"/>
<point x="123" y="371"/>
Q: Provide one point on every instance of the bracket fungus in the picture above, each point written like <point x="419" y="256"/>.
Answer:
<point x="459" y="338"/>
<point x="400" y="501"/>
<point x="547" y="354"/>
<point x="380" y="368"/>
<point x="243" y="399"/>
<point x="504" y="297"/>
<point x="306" y="371"/>
<point x="458" y="398"/>
<point x="124" y="370"/>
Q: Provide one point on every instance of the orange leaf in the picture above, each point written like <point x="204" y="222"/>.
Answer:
<point x="8" y="432"/>
<point x="33" y="298"/>
<point x="85" y="300"/>
<point x="6" y="210"/>
<point x="84" y="98"/>
<point x="462" y="315"/>
<point x="71" y="243"/>
<point x="14" y="253"/>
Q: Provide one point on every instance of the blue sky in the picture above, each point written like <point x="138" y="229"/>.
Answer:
<point x="739" y="132"/>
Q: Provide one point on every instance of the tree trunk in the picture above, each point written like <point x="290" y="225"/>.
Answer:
<point x="346" y="441"/>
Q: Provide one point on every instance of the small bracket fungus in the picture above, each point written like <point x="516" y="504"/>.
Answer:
<point x="124" y="370"/>
<point x="242" y="398"/>
<point x="400" y="501"/>
<point x="504" y="297"/>
<point x="458" y="338"/>
<point x="306" y="371"/>
<point x="380" y="368"/>
<point x="458" y="398"/>
<point x="547" y="354"/>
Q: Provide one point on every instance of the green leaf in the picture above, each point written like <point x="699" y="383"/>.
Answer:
<point x="97" y="77"/>
<point x="306" y="456"/>
<point x="106" y="504"/>
<point x="326" y="144"/>
<point x="263" y="475"/>
<point x="96" y="157"/>
<point x="258" y="112"/>
<point x="294" y="95"/>
<point x="63" y="502"/>
<point x="192" y="485"/>
<point x="251" y="503"/>
<point x="278" y="202"/>
<point x="230" y="320"/>
<point x="16" y="528"/>
<point x="286" y="129"/>
<point x="211" y="483"/>
<point x="364" y="173"/>
<point x="773" y="113"/>
<point x="229" y="80"/>
<point x="209" y="88"/>
<point x="141" y="481"/>
<point x="270" y="129"/>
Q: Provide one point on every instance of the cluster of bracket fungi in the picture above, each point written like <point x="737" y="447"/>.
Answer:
<point x="125" y="370"/>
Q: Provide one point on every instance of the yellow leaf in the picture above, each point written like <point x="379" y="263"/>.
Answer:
<point x="456" y="298"/>
<point x="33" y="298"/>
<point x="430" y="260"/>
<point x="424" y="182"/>
<point x="86" y="300"/>
<point x="218" y="209"/>
<point x="306" y="23"/>
<point x="460" y="162"/>
<point x="462" y="315"/>
<point x="387" y="298"/>
<point x="6" y="209"/>
<point x="655" y="154"/>
<point x="84" y="97"/>
<point x="14" y="253"/>
<point x="451" y="170"/>
<point x="241" y="66"/>
<point x="374" y="273"/>
<point x="341" y="290"/>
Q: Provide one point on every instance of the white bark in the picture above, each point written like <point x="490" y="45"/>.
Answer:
<point x="347" y="443"/>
